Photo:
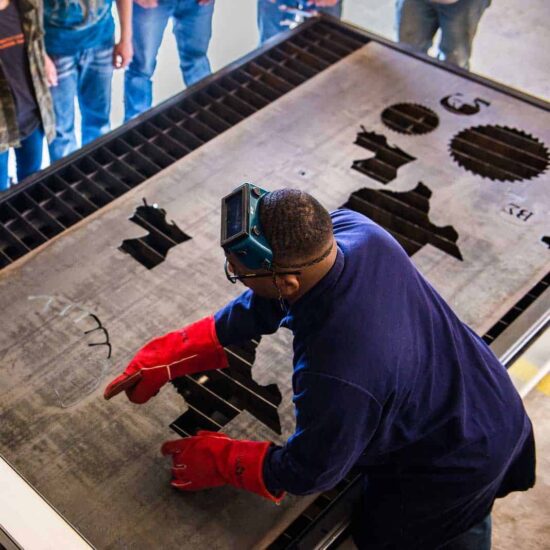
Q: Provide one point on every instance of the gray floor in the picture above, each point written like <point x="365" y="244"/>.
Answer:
<point x="511" y="45"/>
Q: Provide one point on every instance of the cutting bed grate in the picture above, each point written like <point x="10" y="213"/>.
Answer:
<point x="410" y="118"/>
<point x="216" y="397"/>
<point x="500" y="153"/>
<point x="151" y="249"/>
<point x="386" y="161"/>
<point x="517" y="309"/>
<point x="405" y="216"/>
<point x="91" y="178"/>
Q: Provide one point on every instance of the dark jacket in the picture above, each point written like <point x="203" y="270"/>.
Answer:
<point x="31" y="21"/>
<point x="388" y="379"/>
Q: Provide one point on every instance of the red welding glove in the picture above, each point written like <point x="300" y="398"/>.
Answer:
<point x="211" y="459"/>
<point x="193" y="348"/>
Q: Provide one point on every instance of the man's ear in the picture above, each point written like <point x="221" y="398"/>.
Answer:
<point x="288" y="285"/>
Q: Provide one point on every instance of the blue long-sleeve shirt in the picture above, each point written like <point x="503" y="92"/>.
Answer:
<point x="387" y="378"/>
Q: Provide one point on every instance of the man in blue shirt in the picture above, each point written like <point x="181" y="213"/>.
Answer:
<point x="80" y="43"/>
<point x="386" y="378"/>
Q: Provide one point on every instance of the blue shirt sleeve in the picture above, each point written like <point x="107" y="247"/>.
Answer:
<point x="335" y="420"/>
<point x="247" y="316"/>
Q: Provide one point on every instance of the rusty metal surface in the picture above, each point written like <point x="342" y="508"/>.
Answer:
<point x="98" y="462"/>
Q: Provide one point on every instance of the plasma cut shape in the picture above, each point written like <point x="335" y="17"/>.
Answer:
<point x="410" y="118"/>
<point x="499" y="153"/>
<point x="387" y="159"/>
<point x="216" y="397"/>
<point x="405" y="216"/>
<point x="152" y="249"/>
<point x="459" y="104"/>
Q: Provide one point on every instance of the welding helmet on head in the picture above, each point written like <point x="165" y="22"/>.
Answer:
<point x="241" y="231"/>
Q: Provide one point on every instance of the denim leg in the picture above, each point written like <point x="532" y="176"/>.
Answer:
<point x="417" y="23"/>
<point x="476" y="538"/>
<point x="63" y="96"/>
<point x="94" y="92"/>
<point x="28" y="157"/>
<point x="4" y="183"/>
<point x="148" y="29"/>
<point x="193" y="29"/>
<point x="270" y="16"/>
<point x="458" y="24"/>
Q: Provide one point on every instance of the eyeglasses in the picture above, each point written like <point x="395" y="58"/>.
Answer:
<point x="234" y="278"/>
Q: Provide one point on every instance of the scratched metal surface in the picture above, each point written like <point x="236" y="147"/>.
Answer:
<point x="98" y="462"/>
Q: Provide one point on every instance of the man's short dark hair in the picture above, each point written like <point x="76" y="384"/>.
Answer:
<point x="295" y="224"/>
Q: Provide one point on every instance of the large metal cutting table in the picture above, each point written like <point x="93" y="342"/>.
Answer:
<point x="98" y="463"/>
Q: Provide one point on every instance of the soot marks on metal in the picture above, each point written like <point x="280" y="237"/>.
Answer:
<point x="152" y="249"/>
<point x="410" y="118"/>
<point x="500" y="153"/>
<point x="387" y="159"/>
<point x="405" y="216"/>
<point x="460" y="104"/>
<point x="215" y="397"/>
<point x="103" y="330"/>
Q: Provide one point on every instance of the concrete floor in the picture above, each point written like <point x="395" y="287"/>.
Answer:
<point x="511" y="44"/>
<point x="520" y="521"/>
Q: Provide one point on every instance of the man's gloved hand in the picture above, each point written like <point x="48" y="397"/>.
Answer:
<point x="212" y="459"/>
<point x="194" y="348"/>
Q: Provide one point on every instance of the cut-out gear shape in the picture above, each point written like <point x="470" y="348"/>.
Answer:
<point x="499" y="153"/>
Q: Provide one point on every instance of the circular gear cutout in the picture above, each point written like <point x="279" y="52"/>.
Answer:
<point x="499" y="153"/>
<point x="410" y="118"/>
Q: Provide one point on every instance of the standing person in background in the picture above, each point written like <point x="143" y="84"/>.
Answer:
<point x="26" y="112"/>
<point x="272" y="14"/>
<point x="418" y="21"/>
<point x="80" y="43"/>
<point x="192" y="29"/>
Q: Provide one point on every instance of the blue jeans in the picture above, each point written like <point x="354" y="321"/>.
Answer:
<point x="418" y="21"/>
<point x="270" y="16"/>
<point x="86" y="76"/>
<point x="192" y="29"/>
<point x="477" y="537"/>
<point x="28" y="158"/>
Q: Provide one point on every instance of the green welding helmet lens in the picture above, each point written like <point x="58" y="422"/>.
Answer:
<point x="241" y="232"/>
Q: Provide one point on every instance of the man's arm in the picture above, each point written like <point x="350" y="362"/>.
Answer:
<point x="247" y="316"/>
<point x="335" y="421"/>
<point x="123" y="50"/>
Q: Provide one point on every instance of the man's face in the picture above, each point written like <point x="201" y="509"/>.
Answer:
<point x="262" y="286"/>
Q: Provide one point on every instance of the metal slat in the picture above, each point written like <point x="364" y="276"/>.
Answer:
<point x="79" y="203"/>
<point x="498" y="161"/>
<point x="45" y="197"/>
<point x="242" y="397"/>
<point x="13" y="247"/>
<point x="31" y="235"/>
<point x="319" y="51"/>
<point x="118" y="168"/>
<point x="407" y="228"/>
<point x="49" y="226"/>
